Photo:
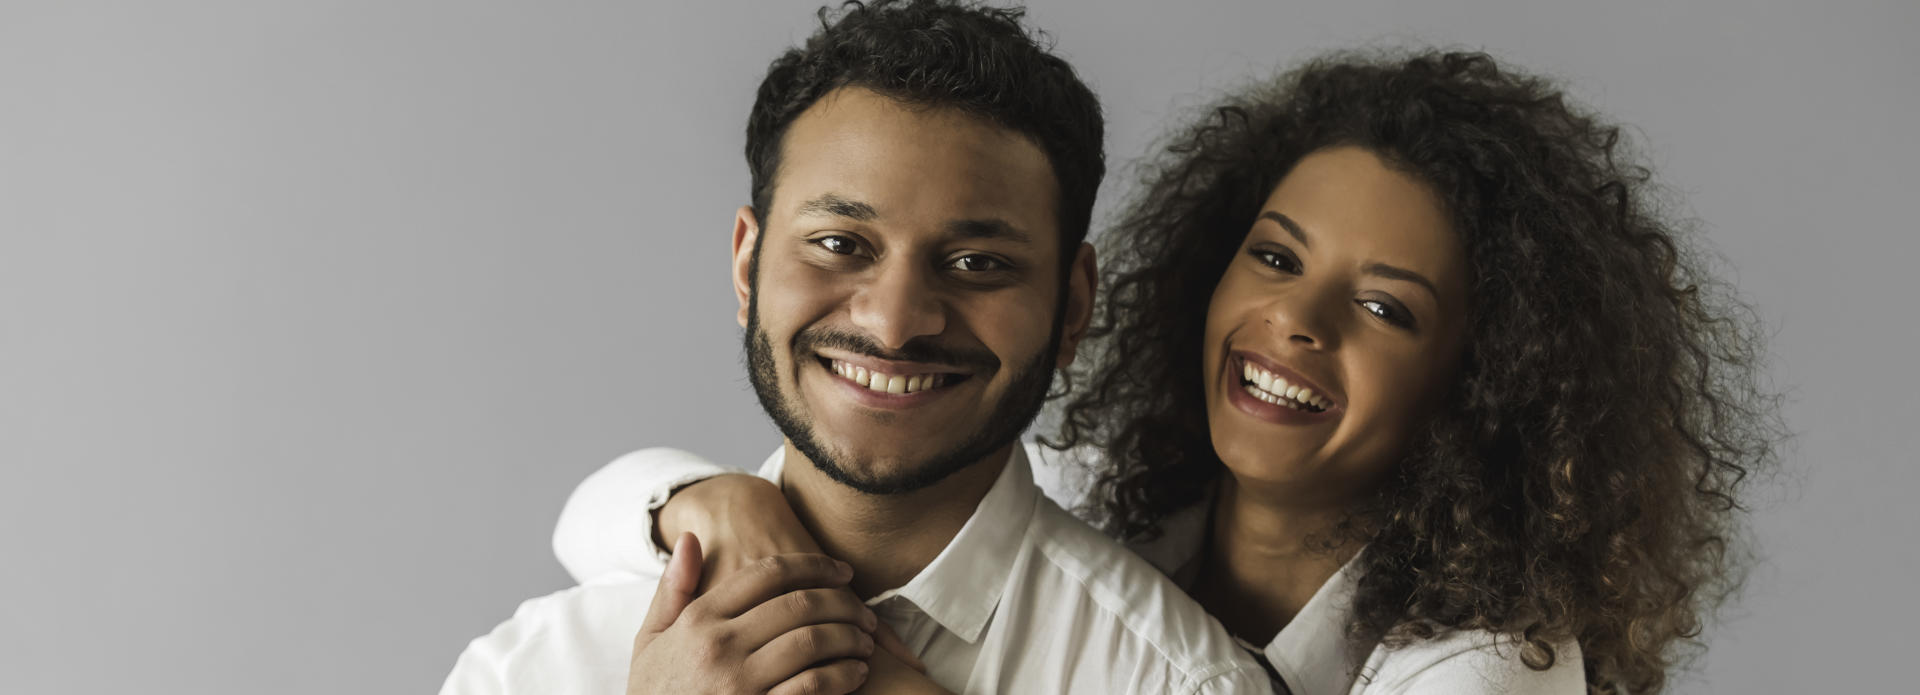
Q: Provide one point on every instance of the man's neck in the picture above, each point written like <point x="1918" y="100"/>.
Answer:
<point x="1263" y="563"/>
<point x="887" y="538"/>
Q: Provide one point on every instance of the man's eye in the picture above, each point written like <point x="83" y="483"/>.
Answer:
<point x="838" y="245"/>
<point x="977" y="263"/>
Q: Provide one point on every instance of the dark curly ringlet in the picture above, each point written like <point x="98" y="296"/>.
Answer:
<point x="1581" y="479"/>
<point x="966" y="56"/>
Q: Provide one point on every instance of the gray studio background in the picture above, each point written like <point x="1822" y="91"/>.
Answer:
<point x="312" y="313"/>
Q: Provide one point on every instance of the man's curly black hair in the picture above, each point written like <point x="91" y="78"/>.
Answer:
<point x="957" y="55"/>
<point x="1582" y="481"/>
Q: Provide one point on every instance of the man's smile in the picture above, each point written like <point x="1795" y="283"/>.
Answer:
<point x="886" y="384"/>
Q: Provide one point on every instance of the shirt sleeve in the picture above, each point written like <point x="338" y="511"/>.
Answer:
<point x="1246" y="681"/>
<point x="1484" y="667"/>
<point x="606" y="529"/>
<point x="475" y="673"/>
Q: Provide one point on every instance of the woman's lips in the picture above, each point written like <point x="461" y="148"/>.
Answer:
<point x="1279" y="396"/>
<point x="1279" y="380"/>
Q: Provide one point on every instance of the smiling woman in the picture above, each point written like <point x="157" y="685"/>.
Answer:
<point x="1330" y="292"/>
<point x="1407" y="335"/>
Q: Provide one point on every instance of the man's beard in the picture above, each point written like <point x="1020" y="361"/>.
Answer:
<point x="1010" y="416"/>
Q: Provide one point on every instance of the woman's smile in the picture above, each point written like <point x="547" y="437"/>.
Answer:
<point x="1267" y="390"/>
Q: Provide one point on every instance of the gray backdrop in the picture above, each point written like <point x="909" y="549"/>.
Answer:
<point x="311" y="314"/>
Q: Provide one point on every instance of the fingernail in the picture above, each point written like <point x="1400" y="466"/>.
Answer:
<point x="873" y="621"/>
<point x="866" y="641"/>
<point x="860" y="667"/>
<point x="845" y="570"/>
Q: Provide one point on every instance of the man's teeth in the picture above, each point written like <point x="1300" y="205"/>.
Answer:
<point x="888" y="383"/>
<point x="1274" y="389"/>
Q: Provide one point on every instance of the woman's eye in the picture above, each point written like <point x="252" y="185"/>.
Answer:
<point x="977" y="263"/>
<point x="1277" y="260"/>
<point x="1387" y="312"/>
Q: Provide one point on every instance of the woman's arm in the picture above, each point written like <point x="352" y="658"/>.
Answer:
<point x="606" y="529"/>
<point x="738" y="518"/>
<point x="615" y="523"/>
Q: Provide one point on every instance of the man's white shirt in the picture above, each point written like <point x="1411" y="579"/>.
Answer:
<point x="1025" y="599"/>
<point x="603" y="530"/>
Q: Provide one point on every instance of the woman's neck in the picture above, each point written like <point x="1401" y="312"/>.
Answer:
<point x="1262" y="562"/>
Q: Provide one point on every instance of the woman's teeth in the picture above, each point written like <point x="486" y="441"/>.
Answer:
<point x="1271" y="388"/>
<point x="888" y="383"/>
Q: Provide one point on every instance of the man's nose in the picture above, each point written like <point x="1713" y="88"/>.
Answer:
<point x="901" y="304"/>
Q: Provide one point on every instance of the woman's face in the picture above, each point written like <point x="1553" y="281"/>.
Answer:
<point x="1335" y="330"/>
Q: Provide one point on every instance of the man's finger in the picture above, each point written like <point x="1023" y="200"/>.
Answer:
<point x="797" y="609"/>
<point x="834" y="678"/>
<point x="790" y="654"/>
<point x="772" y="576"/>
<point x="675" y="590"/>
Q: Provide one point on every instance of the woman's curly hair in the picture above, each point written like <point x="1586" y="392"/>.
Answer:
<point x="1582" y="482"/>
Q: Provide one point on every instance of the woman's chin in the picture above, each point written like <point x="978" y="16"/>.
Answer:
<point x="1250" y="468"/>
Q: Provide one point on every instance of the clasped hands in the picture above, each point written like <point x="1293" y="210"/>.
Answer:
<point x="760" y="610"/>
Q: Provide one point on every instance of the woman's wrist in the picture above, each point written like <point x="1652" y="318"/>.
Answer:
<point x="738" y="519"/>
<point x="697" y="507"/>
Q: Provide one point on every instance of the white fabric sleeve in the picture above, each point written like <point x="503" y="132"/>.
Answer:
<point x="606" y="530"/>
<point x="1250" y="680"/>
<point x="1475" y="663"/>
<point x="477" y="672"/>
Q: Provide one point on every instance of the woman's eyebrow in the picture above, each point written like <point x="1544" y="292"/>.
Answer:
<point x="1398" y="273"/>
<point x="1288" y="224"/>
<point x="1390" y="272"/>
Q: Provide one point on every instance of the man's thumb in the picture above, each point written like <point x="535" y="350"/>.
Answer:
<point x="676" y="587"/>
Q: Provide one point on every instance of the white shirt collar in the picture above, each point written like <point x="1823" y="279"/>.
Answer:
<point x="962" y="586"/>
<point x="1311" y="652"/>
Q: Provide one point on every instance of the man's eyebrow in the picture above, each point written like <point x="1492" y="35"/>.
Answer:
<point x="1288" y="224"/>
<point x="1397" y="273"/>
<point x="989" y="228"/>
<point x="836" y="206"/>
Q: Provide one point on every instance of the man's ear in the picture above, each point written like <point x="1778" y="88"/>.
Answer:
<point x="1083" y="279"/>
<point x="746" y="235"/>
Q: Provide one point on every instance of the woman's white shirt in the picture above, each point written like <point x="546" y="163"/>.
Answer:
<point x="603" y="532"/>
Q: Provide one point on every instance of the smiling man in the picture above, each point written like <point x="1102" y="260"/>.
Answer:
<point x="910" y="272"/>
<point x="923" y="289"/>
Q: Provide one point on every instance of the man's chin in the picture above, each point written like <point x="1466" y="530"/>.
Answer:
<point x="887" y="473"/>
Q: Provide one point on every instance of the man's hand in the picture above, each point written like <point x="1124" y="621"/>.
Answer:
<point x="784" y="625"/>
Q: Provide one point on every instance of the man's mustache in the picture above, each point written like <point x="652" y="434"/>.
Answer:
<point x="916" y="350"/>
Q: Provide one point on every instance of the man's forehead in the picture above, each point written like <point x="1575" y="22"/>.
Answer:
<point x="835" y="206"/>
<point x="866" y="157"/>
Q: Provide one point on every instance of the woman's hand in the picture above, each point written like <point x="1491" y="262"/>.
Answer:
<point x="740" y="519"/>
<point x="778" y="627"/>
